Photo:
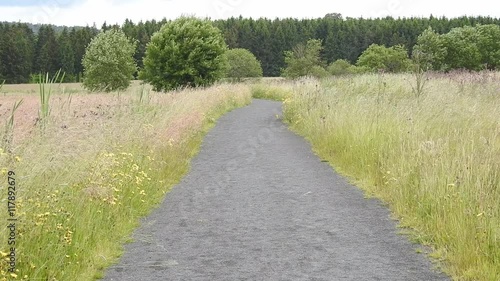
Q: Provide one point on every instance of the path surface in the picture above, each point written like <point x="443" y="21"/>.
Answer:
<point x="259" y="205"/>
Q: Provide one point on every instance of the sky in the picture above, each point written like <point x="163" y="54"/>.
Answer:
<point x="89" y="12"/>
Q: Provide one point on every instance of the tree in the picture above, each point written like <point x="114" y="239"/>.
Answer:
<point x="463" y="49"/>
<point x="304" y="60"/>
<point x="108" y="62"/>
<point x="377" y="57"/>
<point x="430" y="51"/>
<point x="67" y="56"/>
<point x="80" y="39"/>
<point x="16" y="53"/>
<point x="340" y="67"/>
<point x="185" y="52"/>
<point x="242" y="64"/>
<point x="47" y="53"/>
<point x="489" y="45"/>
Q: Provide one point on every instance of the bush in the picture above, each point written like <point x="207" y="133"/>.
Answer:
<point x="318" y="72"/>
<point x="185" y="52"/>
<point x="489" y="45"/>
<point x="242" y="64"/>
<point x="304" y="60"/>
<point x="340" y="67"/>
<point x="377" y="57"/>
<point x="463" y="49"/>
<point x="108" y="62"/>
<point x="430" y="51"/>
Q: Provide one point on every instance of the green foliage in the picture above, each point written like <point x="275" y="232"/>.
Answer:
<point x="340" y="67"/>
<point x="108" y="62"/>
<point x="463" y="49"/>
<point x="343" y="38"/>
<point x="47" y="52"/>
<point x="80" y="39"/>
<point x="430" y="51"/>
<point x="67" y="55"/>
<point x="16" y="53"/>
<point x="185" y="52"/>
<point x="377" y="57"/>
<point x="242" y="64"/>
<point x="489" y="45"/>
<point x="304" y="60"/>
<point x="319" y="72"/>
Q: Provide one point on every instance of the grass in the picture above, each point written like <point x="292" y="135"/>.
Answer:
<point x="46" y="83"/>
<point x="7" y="137"/>
<point x="432" y="154"/>
<point x="103" y="162"/>
<point x="277" y="91"/>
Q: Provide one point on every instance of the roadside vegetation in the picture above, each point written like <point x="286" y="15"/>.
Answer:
<point x="103" y="161"/>
<point x="434" y="158"/>
<point x="88" y="164"/>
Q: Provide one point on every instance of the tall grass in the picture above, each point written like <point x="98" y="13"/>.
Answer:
<point x="433" y="155"/>
<point x="45" y="84"/>
<point x="6" y="140"/>
<point x="85" y="182"/>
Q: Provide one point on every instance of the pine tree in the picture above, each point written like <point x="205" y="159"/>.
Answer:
<point x="16" y="53"/>
<point x="67" y="56"/>
<point x="47" y="53"/>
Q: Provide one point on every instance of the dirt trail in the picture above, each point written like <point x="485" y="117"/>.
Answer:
<point x="259" y="205"/>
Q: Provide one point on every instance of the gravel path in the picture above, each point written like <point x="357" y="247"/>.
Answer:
<point x="259" y="205"/>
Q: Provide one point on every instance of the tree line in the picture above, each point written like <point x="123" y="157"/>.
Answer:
<point x="24" y="53"/>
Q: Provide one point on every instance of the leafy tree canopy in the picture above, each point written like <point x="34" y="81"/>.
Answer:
<point x="108" y="62"/>
<point x="304" y="60"/>
<point x="242" y="64"/>
<point x="430" y="50"/>
<point x="377" y="57"/>
<point x="185" y="52"/>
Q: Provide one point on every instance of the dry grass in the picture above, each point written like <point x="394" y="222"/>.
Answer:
<point x="435" y="158"/>
<point x="103" y="161"/>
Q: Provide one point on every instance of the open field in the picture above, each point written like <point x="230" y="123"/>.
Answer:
<point x="99" y="163"/>
<point x="434" y="158"/>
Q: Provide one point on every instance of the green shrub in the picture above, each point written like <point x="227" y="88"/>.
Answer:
<point x="463" y="49"/>
<point x="108" y="62"/>
<point x="185" y="52"/>
<point x="377" y="57"/>
<point x="242" y="64"/>
<point x="340" y="67"/>
<point x="304" y="60"/>
<point x="430" y="51"/>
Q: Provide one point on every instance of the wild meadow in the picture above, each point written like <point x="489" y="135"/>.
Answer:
<point x="432" y="155"/>
<point x="89" y="165"/>
<point x="430" y="151"/>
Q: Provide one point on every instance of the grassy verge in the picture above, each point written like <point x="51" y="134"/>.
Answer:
<point x="277" y="91"/>
<point x="434" y="158"/>
<point x="83" y="184"/>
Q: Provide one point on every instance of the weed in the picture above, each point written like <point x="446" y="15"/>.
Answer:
<point x="45" y="84"/>
<point x="9" y="128"/>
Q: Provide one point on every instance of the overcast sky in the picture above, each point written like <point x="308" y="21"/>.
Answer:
<point x="88" y="12"/>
